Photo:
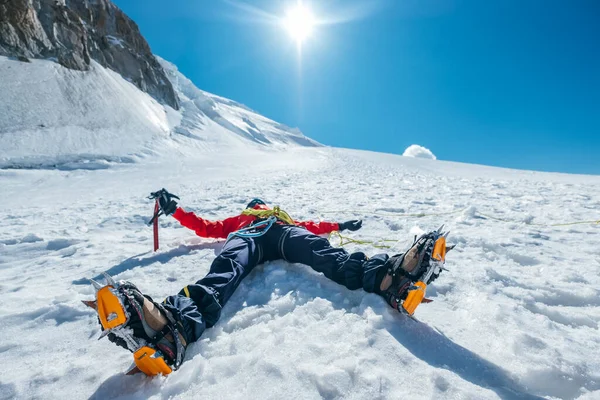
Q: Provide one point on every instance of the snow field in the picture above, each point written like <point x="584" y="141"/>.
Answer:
<point x="516" y="315"/>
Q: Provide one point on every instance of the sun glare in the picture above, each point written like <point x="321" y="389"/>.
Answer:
<point x="299" y="22"/>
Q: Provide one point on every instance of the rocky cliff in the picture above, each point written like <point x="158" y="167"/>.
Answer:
<point x="76" y="31"/>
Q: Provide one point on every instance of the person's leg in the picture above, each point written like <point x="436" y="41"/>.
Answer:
<point x="198" y="306"/>
<point x="297" y="245"/>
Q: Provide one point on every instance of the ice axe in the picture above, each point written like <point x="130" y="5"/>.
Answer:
<point x="154" y="222"/>
<point x="156" y="196"/>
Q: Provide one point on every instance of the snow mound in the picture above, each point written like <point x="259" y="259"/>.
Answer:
<point x="417" y="151"/>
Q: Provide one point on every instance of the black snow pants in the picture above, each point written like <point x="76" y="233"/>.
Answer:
<point x="198" y="306"/>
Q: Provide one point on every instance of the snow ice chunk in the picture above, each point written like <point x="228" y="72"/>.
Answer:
<point x="470" y="212"/>
<point x="31" y="238"/>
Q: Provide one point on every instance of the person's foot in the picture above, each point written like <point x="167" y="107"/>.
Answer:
<point x="413" y="270"/>
<point x="135" y="322"/>
<point x="395" y="284"/>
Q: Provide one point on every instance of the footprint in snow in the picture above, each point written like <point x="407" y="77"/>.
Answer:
<point x="394" y="225"/>
<point x="522" y="259"/>
<point x="29" y="238"/>
<point x="558" y="317"/>
<point x="60" y="313"/>
<point x="59" y="244"/>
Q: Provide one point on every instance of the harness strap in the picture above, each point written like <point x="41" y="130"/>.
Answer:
<point x="255" y="230"/>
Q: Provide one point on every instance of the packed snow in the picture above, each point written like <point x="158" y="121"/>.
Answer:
<point x="515" y="316"/>
<point x="416" y="151"/>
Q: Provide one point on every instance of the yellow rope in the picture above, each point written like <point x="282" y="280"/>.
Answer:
<point x="344" y="240"/>
<point x="388" y="214"/>
<point x="420" y="215"/>
<point x="276" y="212"/>
<point x="576" y="223"/>
<point x="534" y="224"/>
<point x="349" y="240"/>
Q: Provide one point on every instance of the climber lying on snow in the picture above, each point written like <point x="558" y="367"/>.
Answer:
<point x="158" y="333"/>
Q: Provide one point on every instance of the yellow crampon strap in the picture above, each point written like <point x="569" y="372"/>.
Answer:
<point x="344" y="240"/>
<point x="275" y="212"/>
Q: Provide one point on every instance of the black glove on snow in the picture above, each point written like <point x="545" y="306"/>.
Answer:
<point x="165" y="201"/>
<point x="353" y="225"/>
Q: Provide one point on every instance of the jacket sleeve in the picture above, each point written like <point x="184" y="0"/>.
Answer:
<point x="318" y="228"/>
<point x="204" y="227"/>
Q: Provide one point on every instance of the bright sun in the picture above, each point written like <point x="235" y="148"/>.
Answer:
<point x="299" y="22"/>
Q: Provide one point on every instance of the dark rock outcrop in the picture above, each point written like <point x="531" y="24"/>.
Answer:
<point x="76" y="31"/>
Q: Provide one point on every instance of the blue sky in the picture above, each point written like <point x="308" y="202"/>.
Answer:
<point x="497" y="82"/>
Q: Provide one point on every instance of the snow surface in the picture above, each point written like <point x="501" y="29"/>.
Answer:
<point x="416" y="151"/>
<point x="515" y="317"/>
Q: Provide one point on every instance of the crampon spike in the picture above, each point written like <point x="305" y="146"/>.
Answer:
<point x="133" y="369"/>
<point x="440" y="229"/>
<point x="104" y="333"/>
<point x="96" y="285"/>
<point x="91" y="304"/>
<point x="109" y="280"/>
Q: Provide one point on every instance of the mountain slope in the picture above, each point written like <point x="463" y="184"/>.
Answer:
<point x="204" y="115"/>
<point x="75" y="32"/>
<point x="515" y="317"/>
<point x="56" y="117"/>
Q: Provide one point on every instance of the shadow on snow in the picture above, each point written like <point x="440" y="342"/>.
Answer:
<point x="140" y="261"/>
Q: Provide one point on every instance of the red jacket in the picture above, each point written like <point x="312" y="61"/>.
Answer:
<point x="220" y="229"/>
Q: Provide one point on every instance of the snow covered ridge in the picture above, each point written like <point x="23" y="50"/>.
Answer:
<point x="54" y="117"/>
<point x="205" y="114"/>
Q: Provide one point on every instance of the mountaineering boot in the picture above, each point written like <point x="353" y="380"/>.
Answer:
<point x="394" y="285"/>
<point x="407" y="275"/>
<point x="135" y="322"/>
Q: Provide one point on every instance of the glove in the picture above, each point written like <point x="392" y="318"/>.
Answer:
<point x="165" y="201"/>
<point x="353" y="225"/>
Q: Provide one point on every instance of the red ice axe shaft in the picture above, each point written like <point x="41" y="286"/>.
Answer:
<point x="155" y="225"/>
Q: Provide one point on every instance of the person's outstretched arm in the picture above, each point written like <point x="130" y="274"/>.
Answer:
<point x="202" y="227"/>
<point x="319" y="228"/>
<point x="209" y="229"/>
